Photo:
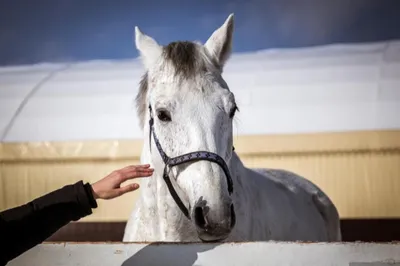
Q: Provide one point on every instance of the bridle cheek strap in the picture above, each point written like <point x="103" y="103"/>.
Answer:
<point x="185" y="158"/>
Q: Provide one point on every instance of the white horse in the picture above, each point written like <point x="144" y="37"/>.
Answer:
<point x="200" y="190"/>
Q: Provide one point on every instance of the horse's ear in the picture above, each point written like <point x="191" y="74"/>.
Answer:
<point x="150" y="51"/>
<point x="219" y="45"/>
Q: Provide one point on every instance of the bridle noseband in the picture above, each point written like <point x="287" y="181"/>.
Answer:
<point x="188" y="157"/>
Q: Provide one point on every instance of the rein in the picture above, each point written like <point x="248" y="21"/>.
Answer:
<point x="188" y="157"/>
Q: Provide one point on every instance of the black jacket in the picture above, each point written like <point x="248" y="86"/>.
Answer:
<point x="26" y="226"/>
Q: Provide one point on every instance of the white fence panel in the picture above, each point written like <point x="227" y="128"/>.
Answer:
<point x="255" y="253"/>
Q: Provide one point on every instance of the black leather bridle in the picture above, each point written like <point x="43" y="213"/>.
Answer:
<point x="188" y="157"/>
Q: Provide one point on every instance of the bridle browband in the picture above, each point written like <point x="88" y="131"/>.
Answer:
<point x="188" y="157"/>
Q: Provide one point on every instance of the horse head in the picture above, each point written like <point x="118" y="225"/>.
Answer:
<point x="186" y="110"/>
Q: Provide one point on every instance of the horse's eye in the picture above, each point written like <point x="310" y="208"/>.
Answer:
<point x="233" y="111"/>
<point x="163" y="115"/>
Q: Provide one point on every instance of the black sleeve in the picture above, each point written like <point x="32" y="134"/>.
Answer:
<point x="26" y="226"/>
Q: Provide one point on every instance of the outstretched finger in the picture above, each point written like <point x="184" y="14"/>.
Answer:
<point x="140" y="166"/>
<point x="131" y="168"/>
<point x="139" y="173"/>
<point x="128" y="188"/>
<point x="134" y="174"/>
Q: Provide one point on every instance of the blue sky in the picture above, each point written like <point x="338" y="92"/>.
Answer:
<point x="70" y="30"/>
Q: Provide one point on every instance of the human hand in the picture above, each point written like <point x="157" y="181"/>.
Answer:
<point x="110" y="186"/>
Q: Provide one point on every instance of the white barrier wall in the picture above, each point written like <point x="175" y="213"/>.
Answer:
<point x="256" y="253"/>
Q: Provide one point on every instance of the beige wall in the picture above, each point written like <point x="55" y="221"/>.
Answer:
<point x="360" y="171"/>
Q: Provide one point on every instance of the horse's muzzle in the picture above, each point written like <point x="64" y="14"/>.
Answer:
<point x="210" y="228"/>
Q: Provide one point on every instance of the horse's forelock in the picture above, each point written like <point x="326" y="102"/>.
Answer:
<point x="184" y="58"/>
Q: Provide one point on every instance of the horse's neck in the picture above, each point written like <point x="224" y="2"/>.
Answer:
<point x="237" y="171"/>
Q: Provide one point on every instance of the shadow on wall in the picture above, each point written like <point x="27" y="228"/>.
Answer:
<point x="156" y="254"/>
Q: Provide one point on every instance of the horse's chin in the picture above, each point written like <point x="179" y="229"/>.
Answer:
<point x="206" y="238"/>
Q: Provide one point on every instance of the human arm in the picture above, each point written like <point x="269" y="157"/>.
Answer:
<point x="23" y="227"/>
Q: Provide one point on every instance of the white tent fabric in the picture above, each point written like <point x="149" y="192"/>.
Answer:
<point x="315" y="89"/>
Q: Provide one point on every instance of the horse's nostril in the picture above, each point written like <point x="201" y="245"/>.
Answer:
<point x="233" y="216"/>
<point x="199" y="217"/>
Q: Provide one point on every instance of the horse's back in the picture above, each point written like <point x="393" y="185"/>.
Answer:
<point x="303" y="191"/>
